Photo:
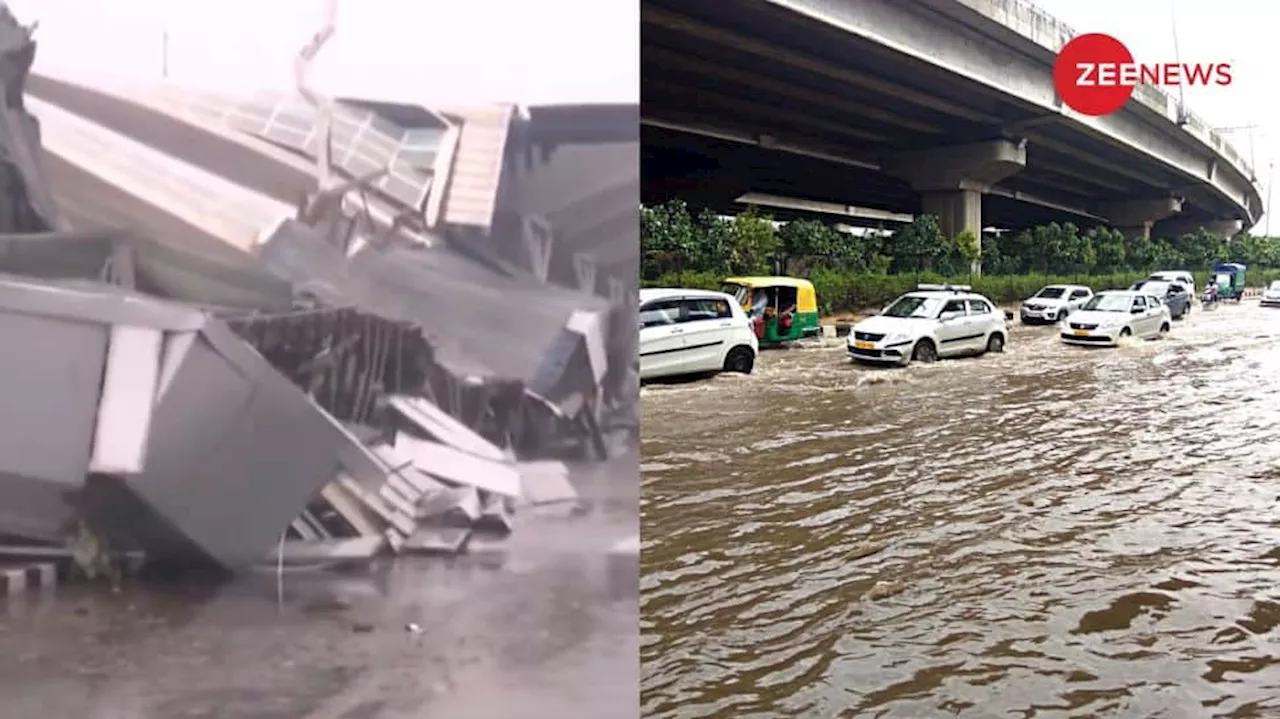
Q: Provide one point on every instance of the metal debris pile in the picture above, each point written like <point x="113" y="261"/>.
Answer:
<point x="315" y="402"/>
<point x="424" y="485"/>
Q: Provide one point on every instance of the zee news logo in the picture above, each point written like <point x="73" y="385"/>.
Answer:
<point x="1095" y="74"/>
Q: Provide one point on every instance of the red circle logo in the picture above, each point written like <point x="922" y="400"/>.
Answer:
<point x="1087" y="76"/>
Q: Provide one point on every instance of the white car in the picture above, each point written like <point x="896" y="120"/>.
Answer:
<point x="686" y="331"/>
<point x="1182" y="277"/>
<point x="1115" y="314"/>
<point x="1179" y="277"/>
<point x="1271" y="295"/>
<point x="1053" y="302"/>
<point x="933" y="322"/>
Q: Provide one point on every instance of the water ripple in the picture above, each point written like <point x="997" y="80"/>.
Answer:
<point x="1045" y="531"/>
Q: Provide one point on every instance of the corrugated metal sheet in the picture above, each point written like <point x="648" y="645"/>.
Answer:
<point x="472" y="194"/>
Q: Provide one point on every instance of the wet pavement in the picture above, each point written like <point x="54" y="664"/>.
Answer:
<point x="536" y="626"/>
<point x="1053" y="531"/>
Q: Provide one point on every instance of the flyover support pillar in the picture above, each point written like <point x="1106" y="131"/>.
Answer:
<point x="1135" y="218"/>
<point x="957" y="211"/>
<point x="951" y="180"/>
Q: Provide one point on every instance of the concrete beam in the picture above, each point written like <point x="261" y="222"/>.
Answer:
<point x="1023" y="76"/>
<point x="1177" y="227"/>
<point x="690" y="63"/>
<point x="1136" y="213"/>
<point x="973" y="166"/>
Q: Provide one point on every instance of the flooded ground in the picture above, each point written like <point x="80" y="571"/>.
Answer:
<point x="538" y="629"/>
<point x="1054" y="531"/>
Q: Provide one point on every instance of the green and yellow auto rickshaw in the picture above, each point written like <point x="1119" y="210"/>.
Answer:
<point x="781" y="309"/>
<point x="1229" y="278"/>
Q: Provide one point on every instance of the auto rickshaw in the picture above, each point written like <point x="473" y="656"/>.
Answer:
<point x="781" y="309"/>
<point x="1229" y="277"/>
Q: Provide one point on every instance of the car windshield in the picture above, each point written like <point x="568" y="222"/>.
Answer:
<point x="1051" y="293"/>
<point x="914" y="306"/>
<point x="1159" y="288"/>
<point x="1275" y="285"/>
<point x="1109" y="303"/>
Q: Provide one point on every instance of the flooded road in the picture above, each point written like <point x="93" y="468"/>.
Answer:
<point x="1054" y="531"/>
<point x="532" y="626"/>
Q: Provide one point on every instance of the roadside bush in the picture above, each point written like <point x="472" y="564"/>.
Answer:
<point x="680" y="248"/>
<point x="845" y="291"/>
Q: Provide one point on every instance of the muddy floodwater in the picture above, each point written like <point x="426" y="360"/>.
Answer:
<point x="1054" y="531"/>
<point x="537" y="626"/>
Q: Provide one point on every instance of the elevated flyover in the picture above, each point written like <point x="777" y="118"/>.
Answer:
<point x="908" y="106"/>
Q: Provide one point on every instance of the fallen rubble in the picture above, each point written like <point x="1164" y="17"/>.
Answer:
<point x="310" y="404"/>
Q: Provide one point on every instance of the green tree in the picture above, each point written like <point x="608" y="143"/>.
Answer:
<point x="915" y="246"/>
<point x="752" y="243"/>
<point x="669" y="238"/>
<point x="1108" y="246"/>
<point x="970" y="249"/>
<point x="1047" y="246"/>
<point x="1164" y="256"/>
<point x="806" y="242"/>
<point x="713" y="246"/>
<point x="1198" y="249"/>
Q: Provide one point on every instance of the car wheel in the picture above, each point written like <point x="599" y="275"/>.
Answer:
<point x="740" y="360"/>
<point x="924" y="351"/>
<point x="1125" y="332"/>
<point x="1164" y="328"/>
<point x="995" y="343"/>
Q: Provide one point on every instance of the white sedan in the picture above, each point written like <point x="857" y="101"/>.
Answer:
<point x="934" y="322"/>
<point x="686" y="332"/>
<point x="1115" y="314"/>
<point x="1271" y="295"/>
<point x="1053" y="303"/>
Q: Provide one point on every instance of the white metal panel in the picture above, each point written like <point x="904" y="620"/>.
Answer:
<point x="128" y="400"/>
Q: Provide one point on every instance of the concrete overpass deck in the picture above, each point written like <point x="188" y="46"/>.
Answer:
<point x="903" y="105"/>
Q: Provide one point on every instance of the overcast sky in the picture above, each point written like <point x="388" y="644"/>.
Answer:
<point x="1235" y="31"/>
<point x="525" y="51"/>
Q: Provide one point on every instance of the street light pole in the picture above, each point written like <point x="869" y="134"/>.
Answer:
<point x="164" y="53"/>
<point x="1266" y="211"/>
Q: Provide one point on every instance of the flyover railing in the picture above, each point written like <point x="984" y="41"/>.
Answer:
<point x="1052" y="33"/>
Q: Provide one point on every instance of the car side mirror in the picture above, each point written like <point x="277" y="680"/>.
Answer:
<point x="948" y="316"/>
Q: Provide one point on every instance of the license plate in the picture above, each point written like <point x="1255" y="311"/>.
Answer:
<point x="864" y="345"/>
<point x="1081" y="333"/>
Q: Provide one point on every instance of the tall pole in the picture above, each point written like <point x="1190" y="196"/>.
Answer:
<point x="164" y="53"/>
<point x="1177" y="57"/>
<point x="1266" y="211"/>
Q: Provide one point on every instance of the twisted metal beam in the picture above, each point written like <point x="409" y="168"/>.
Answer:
<point x="323" y="106"/>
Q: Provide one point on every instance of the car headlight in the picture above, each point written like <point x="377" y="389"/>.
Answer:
<point x="897" y="337"/>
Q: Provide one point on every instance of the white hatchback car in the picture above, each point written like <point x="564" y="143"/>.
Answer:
<point x="692" y="332"/>
<point x="1053" y="303"/>
<point x="1271" y="295"/>
<point x="933" y="322"/>
<point x="1116" y="314"/>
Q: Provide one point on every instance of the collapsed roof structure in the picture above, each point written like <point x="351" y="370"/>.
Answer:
<point x="314" y="259"/>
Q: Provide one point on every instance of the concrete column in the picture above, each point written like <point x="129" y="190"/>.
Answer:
<point x="1135" y="218"/>
<point x="1136" y="232"/>
<point x="951" y="180"/>
<point x="957" y="211"/>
